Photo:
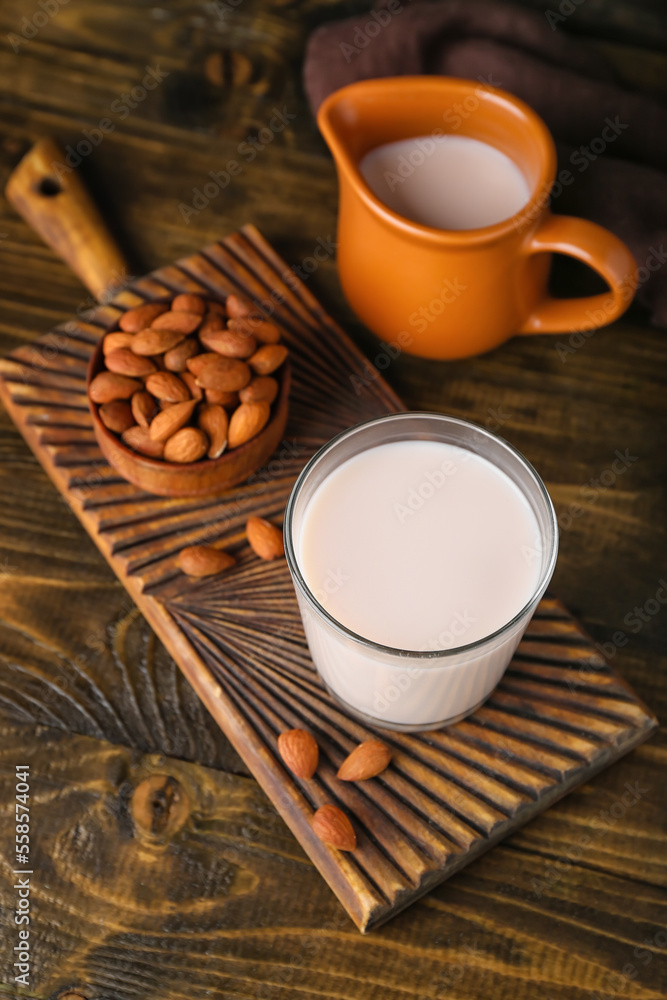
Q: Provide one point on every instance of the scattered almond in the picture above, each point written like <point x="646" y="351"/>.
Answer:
<point x="144" y="408"/>
<point x="367" y="760"/>
<point x="108" y="386"/>
<point x="180" y="321"/>
<point x="140" y="440"/>
<point x="268" y="358"/>
<point x="204" y="560"/>
<point x="333" y="827"/>
<point x="214" y="421"/>
<point x="261" y="389"/>
<point x="299" y="751"/>
<point x="141" y="316"/>
<point x="247" y="421"/>
<point x="113" y="341"/>
<point x="266" y="540"/>
<point x="186" y="302"/>
<point x="167" y="386"/>
<point x="117" y="415"/>
<point x="171" y="420"/>
<point x="187" y="445"/>
<point x="150" y="342"/>
<point x="124" y="362"/>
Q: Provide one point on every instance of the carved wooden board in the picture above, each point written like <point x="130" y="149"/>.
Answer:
<point x="560" y="714"/>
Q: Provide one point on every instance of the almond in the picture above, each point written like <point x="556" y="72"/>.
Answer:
<point x="117" y="415"/>
<point x="124" y="362"/>
<point x="113" y="341"/>
<point x="230" y="400"/>
<point x="197" y="363"/>
<point x="260" y="389"/>
<point x="268" y="358"/>
<point x="214" y="421"/>
<point x="226" y="374"/>
<point x="299" y="751"/>
<point x="175" y="359"/>
<point x="228" y="343"/>
<point x="187" y="445"/>
<point x="266" y="333"/>
<point x="266" y="540"/>
<point x="212" y="321"/>
<point x="149" y="342"/>
<point x="259" y="328"/>
<point x="246" y="322"/>
<point x="108" y="386"/>
<point x="167" y="386"/>
<point x="236" y="305"/>
<point x="169" y="421"/>
<point x="204" y="560"/>
<point x="246" y="421"/>
<point x="186" y="302"/>
<point x="141" y="316"/>
<point x="178" y="321"/>
<point x="215" y="307"/>
<point x="367" y="760"/>
<point x="144" y="408"/>
<point x="140" y="440"/>
<point x="195" y="391"/>
<point x="333" y="827"/>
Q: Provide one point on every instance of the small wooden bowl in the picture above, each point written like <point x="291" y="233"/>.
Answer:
<point x="196" y="479"/>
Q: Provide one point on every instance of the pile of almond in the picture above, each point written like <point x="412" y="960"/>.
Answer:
<point x="188" y="379"/>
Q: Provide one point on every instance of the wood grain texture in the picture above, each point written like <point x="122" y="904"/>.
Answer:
<point x="449" y="796"/>
<point x="135" y="896"/>
<point x="77" y="656"/>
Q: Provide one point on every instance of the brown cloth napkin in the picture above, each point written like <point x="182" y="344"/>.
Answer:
<point x="618" y="177"/>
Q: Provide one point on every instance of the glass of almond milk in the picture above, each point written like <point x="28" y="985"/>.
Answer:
<point x="419" y="547"/>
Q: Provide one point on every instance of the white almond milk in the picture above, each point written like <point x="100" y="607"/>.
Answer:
<point x="419" y="545"/>
<point x="446" y="182"/>
<point x="416" y="545"/>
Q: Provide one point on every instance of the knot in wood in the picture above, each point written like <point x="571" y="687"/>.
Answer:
<point x="159" y="806"/>
<point x="228" y="68"/>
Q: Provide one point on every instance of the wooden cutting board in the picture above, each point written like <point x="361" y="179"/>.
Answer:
<point x="560" y="714"/>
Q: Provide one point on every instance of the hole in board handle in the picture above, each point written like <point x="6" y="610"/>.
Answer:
<point x="49" y="187"/>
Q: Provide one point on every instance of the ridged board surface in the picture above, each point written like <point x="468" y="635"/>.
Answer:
<point x="559" y="715"/>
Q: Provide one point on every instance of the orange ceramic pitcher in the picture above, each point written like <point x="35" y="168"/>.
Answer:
<point x="451" y="294"/>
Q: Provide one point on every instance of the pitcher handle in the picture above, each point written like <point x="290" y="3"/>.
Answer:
<point x="601" y="250"/>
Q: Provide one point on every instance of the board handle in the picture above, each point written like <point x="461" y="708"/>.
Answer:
<point x="55" y="203"/>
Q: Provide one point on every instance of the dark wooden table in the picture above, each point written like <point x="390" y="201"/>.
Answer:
<point x="196" y="888"/>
